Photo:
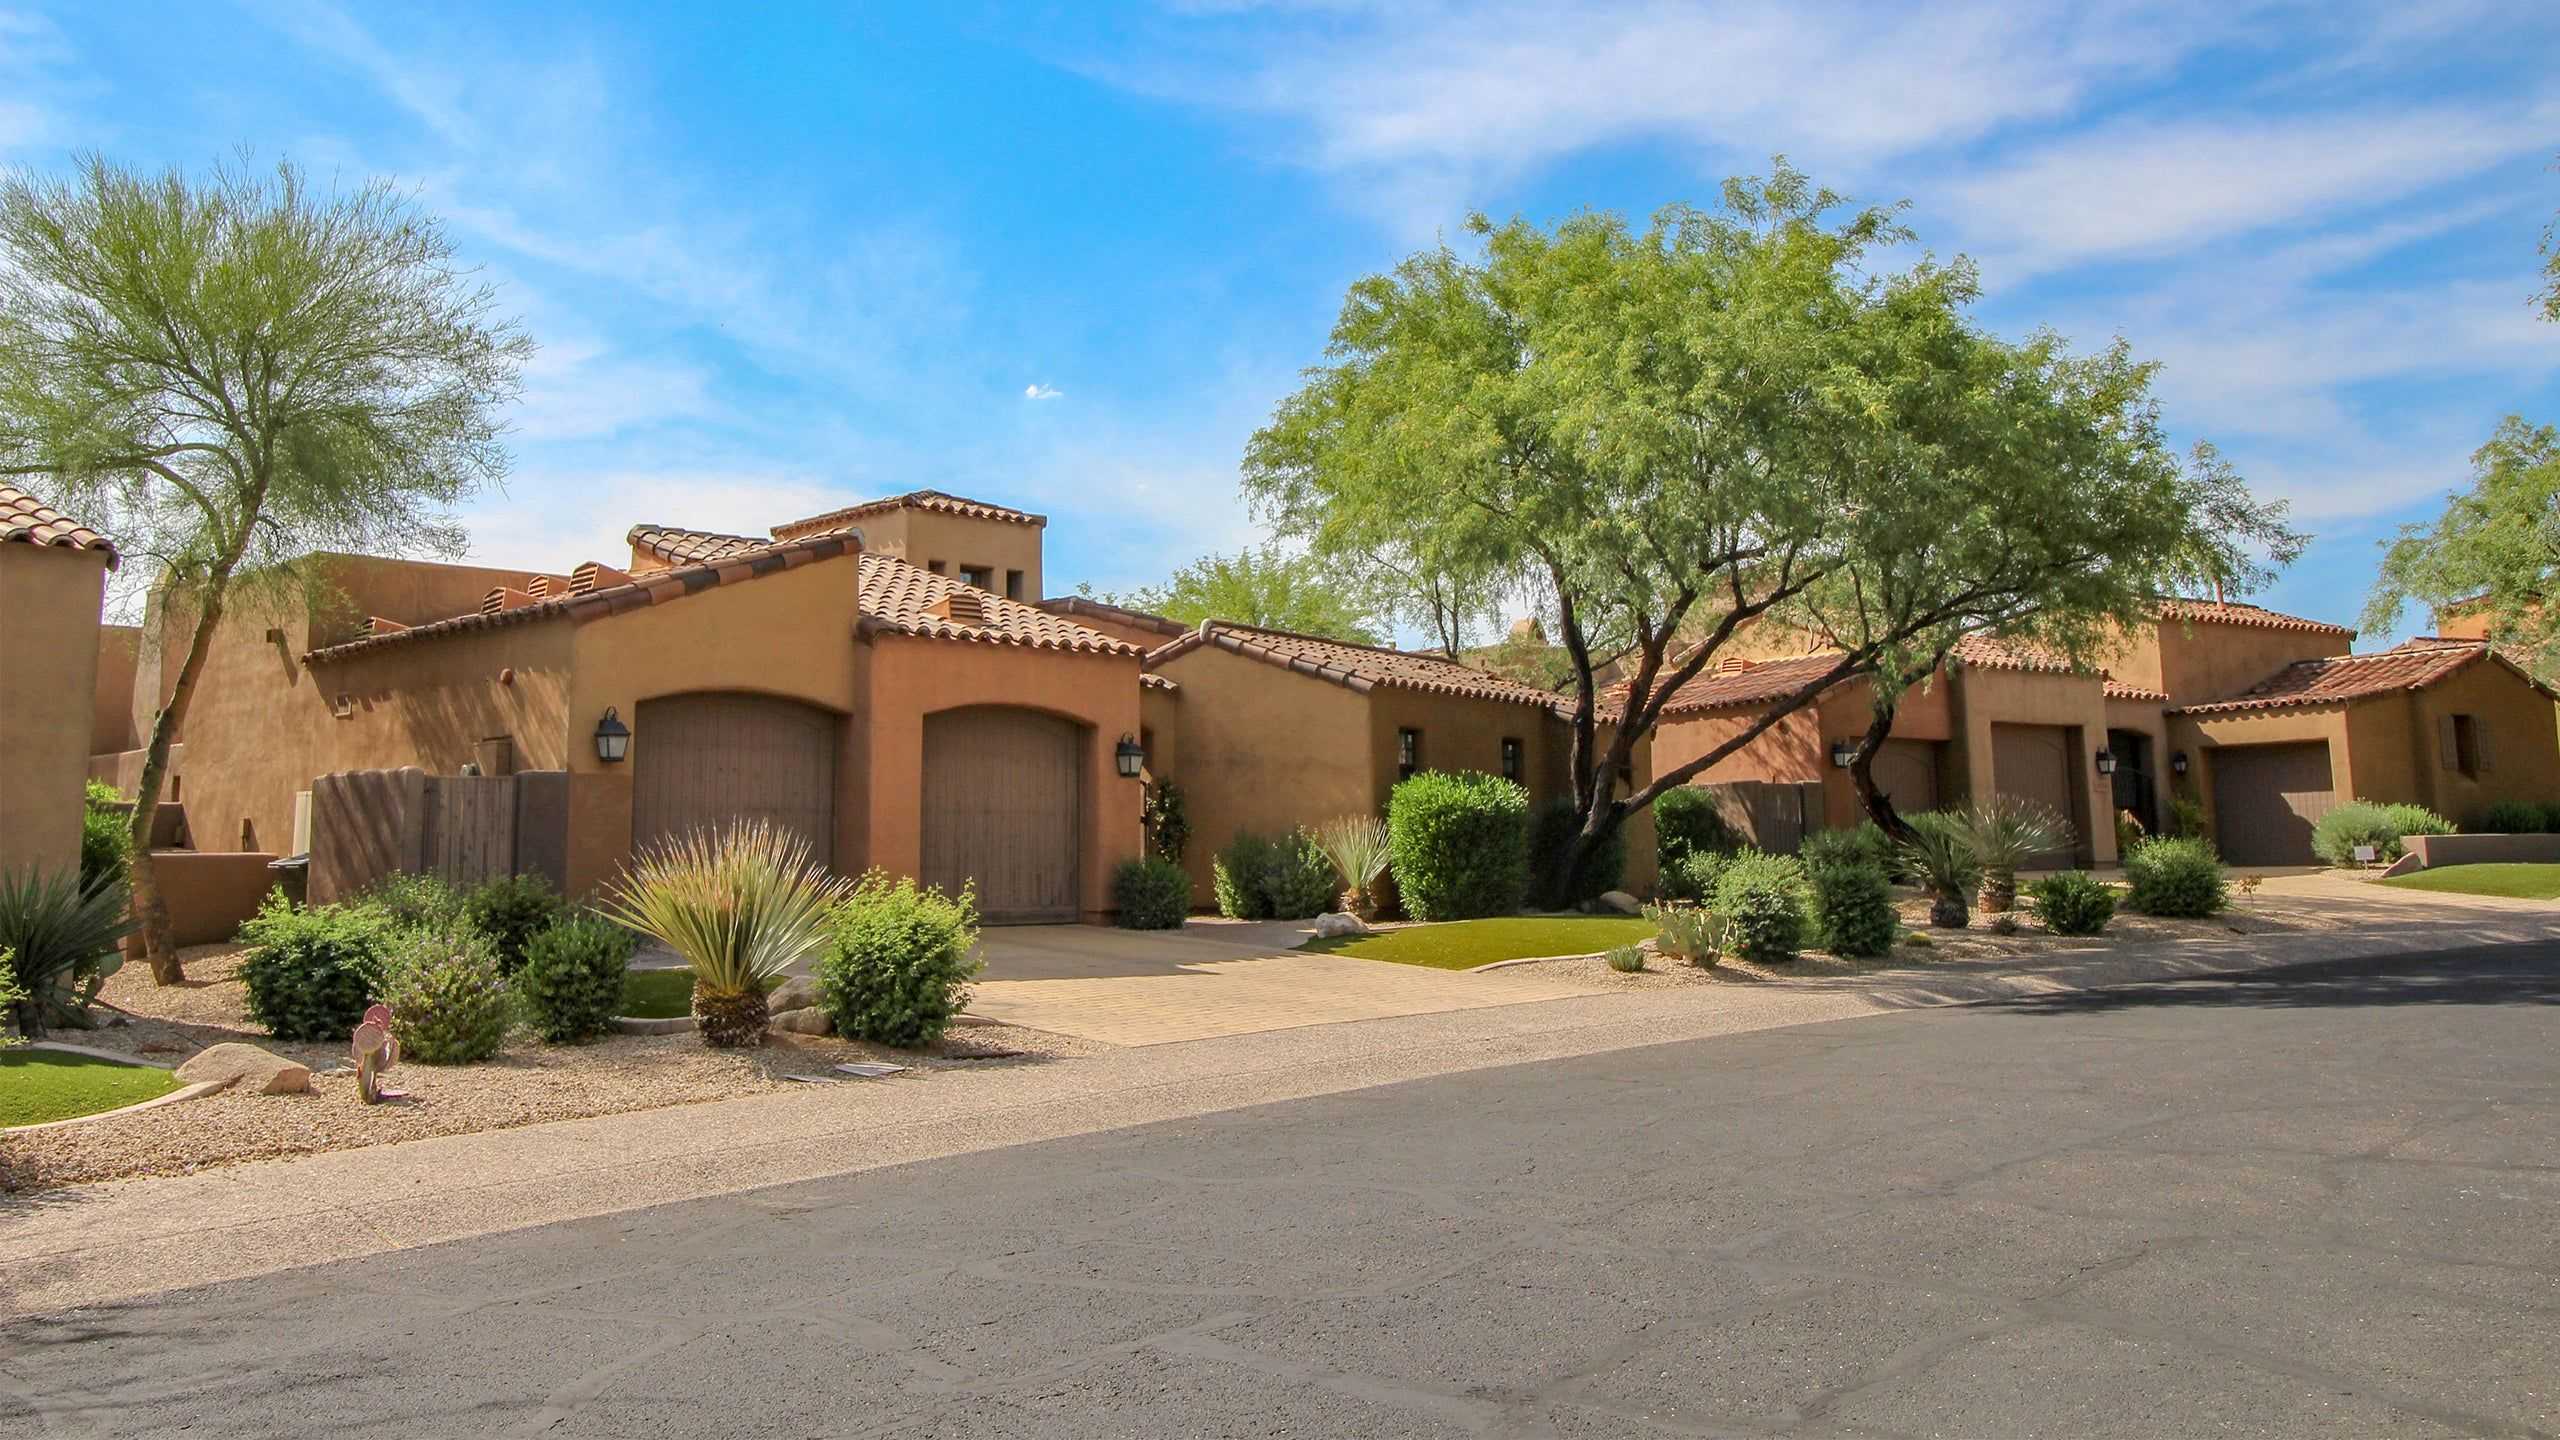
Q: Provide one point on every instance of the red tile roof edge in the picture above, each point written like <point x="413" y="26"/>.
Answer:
<point x="2461" y="654"/>
<point x="940" y="501"/>
<point x="647" y="590"/>
<point x="2240" y="612"/>
<point x="1085" y="604"/>
<point x="26" y="520"/>
<point x="1236" y="639"/>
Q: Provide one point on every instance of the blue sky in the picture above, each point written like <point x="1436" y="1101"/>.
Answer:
<point x="1068" y="256"/>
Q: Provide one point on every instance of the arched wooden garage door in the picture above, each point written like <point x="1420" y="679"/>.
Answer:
<point x="2033" y="762"/>
<point x="703" y="761"/>
<point x="2266" y="799"/>
<point x="1002" y="788"/>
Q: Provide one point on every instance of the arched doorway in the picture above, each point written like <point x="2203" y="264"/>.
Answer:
<point x="1003" y="792"/>
<point x="704" y="761"/>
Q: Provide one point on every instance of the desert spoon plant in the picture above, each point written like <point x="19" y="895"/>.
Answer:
<point x="1357" y="846"/>
<point x="741" y="906"/>
<point x="2004" y="833"/>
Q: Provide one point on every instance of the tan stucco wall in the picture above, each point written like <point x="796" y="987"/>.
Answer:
<point x="111" y="719"/>
<point x="957" y="540"/>
<point x="1265" y="750"/>
<point x="2524" y="755"/>
<point x="50" y="597"/>
<point x="2195" y="663"/>
<point x="2200" y="736"/>
<point x="1797" y="749"/>
<point x="1459" y="733"/>
<point x="911" y="678"/>
<point x="2077" y="703"/>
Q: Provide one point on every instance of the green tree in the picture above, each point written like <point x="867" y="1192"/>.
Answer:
<point x="2497" y="542"/>
<point x="1262" y="586"/>
<point x="1675" y="432"/>
<point x="233" y="371"/>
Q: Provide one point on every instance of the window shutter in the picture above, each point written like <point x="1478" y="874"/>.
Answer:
<point x="2480" y="741"/>
<point x="2447" y="743"/>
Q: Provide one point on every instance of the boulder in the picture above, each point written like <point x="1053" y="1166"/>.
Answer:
<point x="1337" y="925"/>
<point x="1620" y="901"/>
<point x="797" y="993"/>
<point x="807" y="1020"/>
<point x="254" y="1070"/>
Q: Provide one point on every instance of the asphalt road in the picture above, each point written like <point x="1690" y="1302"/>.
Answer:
<point x="2316" y="1202"/>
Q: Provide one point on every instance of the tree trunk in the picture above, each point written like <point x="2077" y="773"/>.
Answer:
<point x="1862" y="774"/>
<point x="149" y="905"/>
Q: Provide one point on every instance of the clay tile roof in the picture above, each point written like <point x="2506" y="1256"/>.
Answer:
<point x="27" y="520"/>
<point x="2119" y="690"/>
<point x="1996" y="652"/>
<point x="905" y="599"/>
<point x="1355" y="667"/>
<point x="1073" y="605"/>
<point x="934" y="500"/>
<point x="1157" y="682"/>
<point x="2337" y="679"/>
<point x="1726" y="685"/>
<point x="595" y="604"/>
<point x="2233" y="612"/>
<point x="691" y="547"/>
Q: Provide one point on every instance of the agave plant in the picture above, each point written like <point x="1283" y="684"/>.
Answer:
<point x="60" y="935"/>
<point x="741" y="906"/>
<point x="1357" y="846"/>
<point x="2005" y="833"/>
<point x="1940" y="854"/>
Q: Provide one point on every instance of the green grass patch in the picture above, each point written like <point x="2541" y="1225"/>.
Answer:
<point x="37" y="1086"/>
<point x="1465" y="944"/>
<point x="2514" y="881"/>
<point x="657" y="994"/>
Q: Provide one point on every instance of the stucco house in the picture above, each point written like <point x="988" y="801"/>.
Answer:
<point x="53" y="577"/>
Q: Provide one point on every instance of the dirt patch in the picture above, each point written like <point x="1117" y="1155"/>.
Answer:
<point x="527" y="1083"/>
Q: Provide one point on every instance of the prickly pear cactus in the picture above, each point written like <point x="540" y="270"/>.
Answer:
<point x="376" y="1051"/>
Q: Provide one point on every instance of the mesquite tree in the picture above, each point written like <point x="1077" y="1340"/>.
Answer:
<point x="1722" y="420"/>
<point x="231" y="372"/>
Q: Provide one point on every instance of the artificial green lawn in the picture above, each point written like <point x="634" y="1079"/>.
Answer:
<point x="1465" y="944"/>
<point x="41" y="1085"/>
<point x="2516" y="882"/>
<point x="660" y="994"/>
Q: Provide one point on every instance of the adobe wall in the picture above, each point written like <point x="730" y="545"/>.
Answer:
<point x="957" y="540"/>
<point x="2200" y="735"/>
<point x="1463" y="733"/>
<point x="2523" y="748"/>
<point x="2077" y="703"/>
<point x="111" y="719"/>
<point x="51" y="596"/>
<point x="2198" y="662"/>
<point x="1266" y="750"/>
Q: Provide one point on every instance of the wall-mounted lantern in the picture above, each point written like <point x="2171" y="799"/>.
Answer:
<point x="1130" y="756"/>
<point x="2178" y="762"/>
<point x="1844" y="753"/>
<point x="613" y="738"/>
<point x="2106" y="762"/>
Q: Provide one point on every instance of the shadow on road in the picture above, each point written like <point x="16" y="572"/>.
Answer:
<point x="2493" y="975"/>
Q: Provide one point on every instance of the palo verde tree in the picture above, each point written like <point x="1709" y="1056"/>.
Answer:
<point x="234" y="371"/>
<point x="1261" y="587"/>
<point x="1723" y="419"/>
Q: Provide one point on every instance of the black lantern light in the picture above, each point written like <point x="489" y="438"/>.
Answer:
<point x="1131" y="757"/>
<point x="1844" y="753"/>
<point x="613" y="738"/>
<point x="2178" y="762"/>
<point x="2106" y="762"/>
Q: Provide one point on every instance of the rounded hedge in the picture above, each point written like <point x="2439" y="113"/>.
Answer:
<point x="1853" y="908"/>
<point x="571" y="981"/>
<point x="1688" y="820"/>
<point x="898" y="961"/>
<point x="310" y="973"/>
<point x="508" y="911"/>
<point x="2178" y="876"/>
<point x="1458" y="844"/>
<point x="448" y="999"/>
<point x="1763" y="902"/>
<point x="2364" y="822"/>
<point x="2072" y="903"/>
<point x="1152" y="894"/>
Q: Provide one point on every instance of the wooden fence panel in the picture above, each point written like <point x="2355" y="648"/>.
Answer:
<point x="365" y="824"/>
<point x="470" y="825"/>
<point x="1772" y="816"/>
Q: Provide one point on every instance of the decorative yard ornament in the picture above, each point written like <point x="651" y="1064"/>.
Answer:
<point x="376" y="1051"/>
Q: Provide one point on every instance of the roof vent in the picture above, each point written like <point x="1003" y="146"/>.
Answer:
<point x="962" y="606"/>
<point x="504" y="597"/>
<point x="380" y="626"/>
<point x="1733" y="664"/>
<point x="592" y="576"/>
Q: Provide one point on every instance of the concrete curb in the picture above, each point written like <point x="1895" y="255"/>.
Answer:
<point x="182" y="1094"/>
<point x="96" y="1054"/>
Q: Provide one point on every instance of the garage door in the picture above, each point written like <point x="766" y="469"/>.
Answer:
<point x="706" y="761"/>
<point x="2033" y="763"/>
<point x="1001" y="792"/>
<point x="1907" y="772"/>
<point x="2266" y="798"/>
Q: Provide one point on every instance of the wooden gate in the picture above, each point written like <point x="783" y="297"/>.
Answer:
<point x="367" y="825"/>
<point x="1003" y="789"/>
<point x="2266" y="799"/>
<point x="703" y="762"/>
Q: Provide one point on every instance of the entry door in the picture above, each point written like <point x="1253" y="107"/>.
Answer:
<point x="704" y="762"/>
<point x="2033" y="762"/>
<point x="2267" y="798"/>
<point x="1002" y="791"/>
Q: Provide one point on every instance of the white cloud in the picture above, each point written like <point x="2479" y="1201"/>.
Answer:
<point x="581" y="390"/>
<point x="554" y="516"/>
<point x="1037" y="391"/>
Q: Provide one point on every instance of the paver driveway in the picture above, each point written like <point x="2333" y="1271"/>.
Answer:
<point x="1128" y="987"/>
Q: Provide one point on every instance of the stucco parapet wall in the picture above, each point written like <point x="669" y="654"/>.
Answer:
<point x="932" y="501"/>
<point x="1357" y="668"/>
<point x="2340" y="680"/>
<point x="614" y="600"/>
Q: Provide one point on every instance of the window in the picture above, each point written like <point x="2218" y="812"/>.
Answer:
<point x="1408" y="753"/>
<point x="935" y="566"/>
<point x="2469" y="752"/>
<point x="978" y="575"/>
<point x="1510" y="757"/>
<point x="1013" y="585"/>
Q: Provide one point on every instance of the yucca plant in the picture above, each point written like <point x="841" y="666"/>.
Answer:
<point x="1357" y="846"/>
<point x="1940" y="855"/>
<point x="61" y="936"/>
<point x="741" y="906"/>
<point x="2005" y="833"/>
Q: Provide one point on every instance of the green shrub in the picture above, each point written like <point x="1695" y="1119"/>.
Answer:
<point x="1853" y="908"/>
<point x="1693" y="880"/>
<point x="413" y="901"/>
<point x="1458" y="844"/>
<point x="311" y="972"/>
<point x="2363" y="822"/>
<point x="571" y="980"/>
<point x="1627" y="959"/>
<point x="1688" y="820"/>
<point x="1862" y="844"/>
<point x="61" y="936"/>
<point x="1167" y="821"/>
<point x="1299" y="879"/>
<point x="1152" y="894"/>
<point x="2176" y="876"/>
<point x="1762" y="900"/>
<point x="449" y="1002"/>
<point x="2508" y="817"/>
<point x="898" y="960"/>
<point x="1238" y="876"/>
<point x="106" y="835"/>
<point x="2072" y="902"/>
<point x="2186" y="818"/>
<point x="508" y="911"/>
<point x="1688" y="932"/>
<point x="1601" y="871"/>
<point x="2551" y="819"/>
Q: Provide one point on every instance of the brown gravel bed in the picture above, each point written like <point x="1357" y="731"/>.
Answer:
<point x="528" y="1083"/>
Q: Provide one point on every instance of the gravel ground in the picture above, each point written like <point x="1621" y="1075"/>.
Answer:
<point x="526" y="1084"/>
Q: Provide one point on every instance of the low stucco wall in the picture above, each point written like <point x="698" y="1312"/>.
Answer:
<point x="2434" y="850"/>
<point x="210" y="892"/>
<point x="49" y="598"/>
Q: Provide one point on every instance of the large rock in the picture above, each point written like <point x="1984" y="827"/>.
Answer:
<point x="1620" y="901"/>
<point x="248" y="1068"/>
<point x="797" y="993"/>
<point x="1337" y="925"/>
<point x="807" y="1020"/>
